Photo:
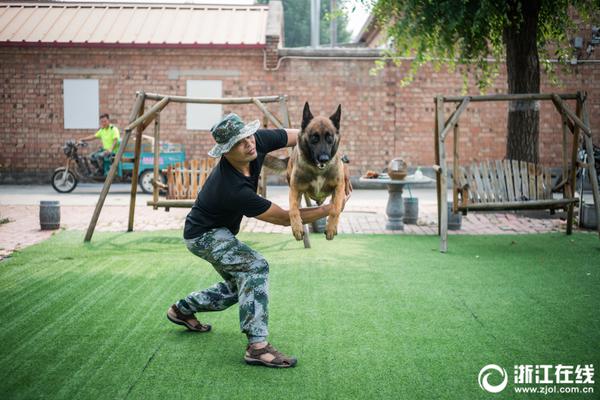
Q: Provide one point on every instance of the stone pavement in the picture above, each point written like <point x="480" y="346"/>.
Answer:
<point x="364" y="213"/>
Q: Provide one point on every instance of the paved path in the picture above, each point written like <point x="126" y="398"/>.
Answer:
<point x="364" y="213"/>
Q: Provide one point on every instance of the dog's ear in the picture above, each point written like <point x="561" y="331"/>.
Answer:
<point x="335" y="117"/>
<point x="306" y="116"/>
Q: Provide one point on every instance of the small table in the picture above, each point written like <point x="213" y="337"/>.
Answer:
<point x="395" y="206"/>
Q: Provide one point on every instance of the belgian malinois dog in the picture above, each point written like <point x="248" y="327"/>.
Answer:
<point x="315" y="168"/>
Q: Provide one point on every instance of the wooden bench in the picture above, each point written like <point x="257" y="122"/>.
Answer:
<point x="505" y="185"/>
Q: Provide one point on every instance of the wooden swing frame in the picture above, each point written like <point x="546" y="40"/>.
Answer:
<point x="139" y="120"/>
<point x="577" y="123"/>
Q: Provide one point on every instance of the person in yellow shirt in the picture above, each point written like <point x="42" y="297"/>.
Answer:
<point x="110" y="137"/>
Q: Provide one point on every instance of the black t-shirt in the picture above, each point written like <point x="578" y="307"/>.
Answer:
<point x="227" y="194"/>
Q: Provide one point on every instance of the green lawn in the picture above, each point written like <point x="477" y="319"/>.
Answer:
<point x="369" y="316"/>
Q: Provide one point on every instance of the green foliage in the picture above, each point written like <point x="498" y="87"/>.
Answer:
<point x="297" y="22"/>
<point x="469" y="33"/>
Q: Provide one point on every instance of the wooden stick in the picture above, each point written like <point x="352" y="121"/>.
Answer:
<point x="136" y="170"/>
<point x="198" y="100"/>
<point x="172" y="203"/>
<point x="113" y="170"/>
<point x="306" y="237"/>
<point x="508" y="97"/>
<point x="454" y="119"/>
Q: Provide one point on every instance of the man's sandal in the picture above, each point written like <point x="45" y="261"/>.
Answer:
<point x="189" y="321"/>
<point x="255" y="357"/>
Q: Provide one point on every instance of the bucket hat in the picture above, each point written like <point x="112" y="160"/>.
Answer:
<point x="230" y="130"/>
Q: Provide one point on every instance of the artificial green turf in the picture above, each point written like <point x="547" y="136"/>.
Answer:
<point x="369" y="316"/>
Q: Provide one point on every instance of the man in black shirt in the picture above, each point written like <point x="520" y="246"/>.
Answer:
<point x="210" y="228"/>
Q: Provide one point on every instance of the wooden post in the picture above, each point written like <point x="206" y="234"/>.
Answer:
<point x="593" y="174"/>
<point x="105" y="188"/>
<point x="136" y="169"/>
<point x="565" y="145"/>
<point x="437" y="163"/>
<point x="113" y="170"/>
<point x="569" y="190"/>
<point x="283" y="111"/>
<point x="156" y="164"/>
<point x="267" y="113"/>
<point x="454" y="118"/>
<point x="443" y="186"/>
<point x="455" y="181"/>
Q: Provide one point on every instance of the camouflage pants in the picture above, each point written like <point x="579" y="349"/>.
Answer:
<point x="246" y="281"/>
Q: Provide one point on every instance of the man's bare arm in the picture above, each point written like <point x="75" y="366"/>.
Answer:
<point x="278" y="216"/>
<point x="88" y="138"/>
<point x="292" y="137"/>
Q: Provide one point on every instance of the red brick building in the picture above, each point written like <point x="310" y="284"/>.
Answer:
<point x="58" y="57"/>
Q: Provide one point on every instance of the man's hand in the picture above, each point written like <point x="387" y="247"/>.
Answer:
<point x="106" y="153"/>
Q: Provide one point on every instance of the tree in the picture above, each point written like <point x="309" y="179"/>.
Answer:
<point x="467" y="33"/>
<point x="296" y="15"/>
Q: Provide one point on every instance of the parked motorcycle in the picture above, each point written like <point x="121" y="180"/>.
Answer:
<point x="78" y="167"/>
<point x="582" y="173"/>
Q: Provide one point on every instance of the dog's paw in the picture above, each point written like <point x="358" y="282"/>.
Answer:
<point x="330" y="233"/>
<point x="298" y="232"/>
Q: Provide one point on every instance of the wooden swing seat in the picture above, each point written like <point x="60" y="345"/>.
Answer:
<point x="505" y="185"/>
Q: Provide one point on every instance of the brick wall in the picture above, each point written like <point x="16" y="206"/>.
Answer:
<point x="380" y="119"/>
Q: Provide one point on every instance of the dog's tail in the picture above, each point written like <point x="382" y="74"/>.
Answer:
<point x="278" y="165"/>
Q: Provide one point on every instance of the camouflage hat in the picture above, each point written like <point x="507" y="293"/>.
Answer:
<point x="230" y="130"/>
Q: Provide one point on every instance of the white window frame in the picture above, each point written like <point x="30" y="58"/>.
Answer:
<point x="81" y="99"/>
<point x="203" y="116"/>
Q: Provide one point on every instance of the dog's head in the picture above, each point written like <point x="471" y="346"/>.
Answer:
<point x="319" y="137"/>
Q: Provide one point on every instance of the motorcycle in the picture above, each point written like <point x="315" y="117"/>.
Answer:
<point x="81" y="168"/>
<point x="582" y="173"/>
<point x="78" y="167"/>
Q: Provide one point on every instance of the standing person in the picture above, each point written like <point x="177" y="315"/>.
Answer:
<point x="211" y="226"/>
<point x="110" y="137"/>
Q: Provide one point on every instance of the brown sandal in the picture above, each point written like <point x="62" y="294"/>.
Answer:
<point x="189" y="321"/>
<point x="253" y="357"/>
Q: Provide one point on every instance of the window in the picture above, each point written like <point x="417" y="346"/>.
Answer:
<point x="203" y="116"/>
<point x="80" y="103"/>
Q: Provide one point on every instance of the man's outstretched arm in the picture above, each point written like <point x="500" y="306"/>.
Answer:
<point x="278" y="216"/>
<point x="292" y="136"/>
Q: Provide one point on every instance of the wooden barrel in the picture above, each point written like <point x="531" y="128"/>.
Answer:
<point x="49" y="215"/>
